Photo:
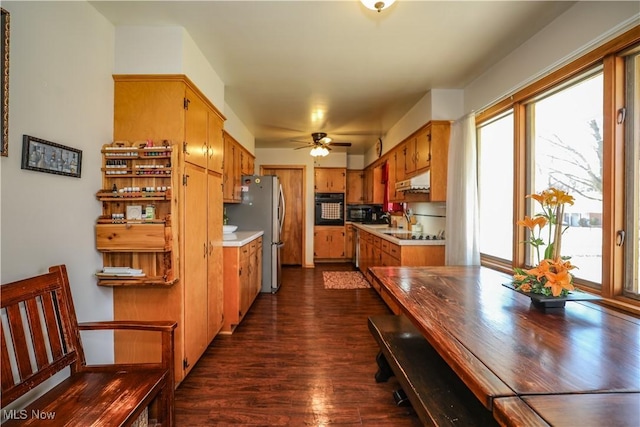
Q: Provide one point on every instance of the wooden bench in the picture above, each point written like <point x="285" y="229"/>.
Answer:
<point x="435" y="392"/>
<point x="41" y="337"/>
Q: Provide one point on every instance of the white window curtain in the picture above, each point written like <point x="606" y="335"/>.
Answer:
<point x="461" y="226"/>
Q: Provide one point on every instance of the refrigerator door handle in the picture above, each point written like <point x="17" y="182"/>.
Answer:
<point x="281" y="219"/>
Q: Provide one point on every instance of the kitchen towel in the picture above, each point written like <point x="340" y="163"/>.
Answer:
<point x="331" y="211"/>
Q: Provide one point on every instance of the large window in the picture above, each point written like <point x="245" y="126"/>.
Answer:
<point x="632" y="195"/>
<point x="576" y="129"/>
<point x="495" y="187"/>
<point x="564" y="131"/>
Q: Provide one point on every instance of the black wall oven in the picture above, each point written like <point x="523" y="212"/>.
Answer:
<point x="329" y="209"/>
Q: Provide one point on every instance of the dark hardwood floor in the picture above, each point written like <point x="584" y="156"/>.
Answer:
<point x="301" y="357"/>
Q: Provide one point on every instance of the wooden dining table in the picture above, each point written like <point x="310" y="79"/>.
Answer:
<point x="572" y="366"/>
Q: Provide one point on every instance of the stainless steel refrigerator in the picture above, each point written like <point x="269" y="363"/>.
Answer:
<point x="262" y="208"/>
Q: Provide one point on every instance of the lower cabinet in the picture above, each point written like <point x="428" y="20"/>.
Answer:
<point x="378" y="252"/>
<point x="350" y="242"/>
<point x="329" y="243"/>
<point x="242" y="273"/>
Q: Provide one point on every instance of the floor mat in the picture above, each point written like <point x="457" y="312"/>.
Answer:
<point x="344" y="280"/>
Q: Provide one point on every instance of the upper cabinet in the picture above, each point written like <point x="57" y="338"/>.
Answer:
<point x="355" y="187"/>
<point x="440" y="133"/>
<point x="396" y="173"/>
<point x="330" y="180"/>
<point x="238" y="161"/>
<point x="215" y="153"/>
<point x="417" y="152"/>
<point x="196" y="145"/>
<point x="373" y="184"/>
<point x="426" y="149"/>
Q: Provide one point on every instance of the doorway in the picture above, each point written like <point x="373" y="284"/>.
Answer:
<point x="292" y="179"/>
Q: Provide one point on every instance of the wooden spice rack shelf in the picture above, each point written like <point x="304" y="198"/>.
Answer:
<point x="110" y="196"/>
<point x="135" y="178"/>
<point x="135" y="281"/>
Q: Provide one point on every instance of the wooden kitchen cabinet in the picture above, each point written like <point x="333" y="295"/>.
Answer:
<point x="215" y="290"/>
<point x="373" y="185"/>
<point x="349" y="242"/>
<point x="329" y="243"/>
<point x="189" y="285"/>
<point x="396" y="173"/>
<point x="410" y="148"/>
<point x="242" y="281"/>
<point x="330" y="180"/>
<point x="246" y="162"/>
<point x="426" y="149"/>
<point x="230" y="190"/>
<point x="237" y="162"/>
<point x="376" y="251"/>
<point x="417" y="151"/>
<point x="355" y="187"/>
<point x="440" y="132"/>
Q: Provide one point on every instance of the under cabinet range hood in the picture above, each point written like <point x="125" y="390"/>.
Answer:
<point x="418" y="184"/>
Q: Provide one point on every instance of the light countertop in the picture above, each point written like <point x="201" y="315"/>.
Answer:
<point x="240" y="238"/>
<point x="380" y="230"/>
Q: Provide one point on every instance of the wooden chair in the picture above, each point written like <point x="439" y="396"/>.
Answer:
<point x="41" y="337"/>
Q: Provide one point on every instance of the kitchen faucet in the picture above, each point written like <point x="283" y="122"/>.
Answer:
<point x="407" y="215"/>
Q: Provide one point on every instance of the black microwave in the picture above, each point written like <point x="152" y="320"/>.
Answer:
<point x="359" y="213"/>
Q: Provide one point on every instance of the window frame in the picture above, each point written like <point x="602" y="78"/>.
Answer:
<point x="496" y="260"/>
<point x="608" y="56"/>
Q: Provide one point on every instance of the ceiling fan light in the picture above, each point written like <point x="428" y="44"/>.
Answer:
<point x="377" y="4"/>
<point x="319" y="151"/>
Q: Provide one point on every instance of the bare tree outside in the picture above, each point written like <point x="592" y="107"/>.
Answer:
<point x="567" y="154"/>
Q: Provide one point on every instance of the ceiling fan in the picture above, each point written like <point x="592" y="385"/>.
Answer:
<point x="321" y="143"/>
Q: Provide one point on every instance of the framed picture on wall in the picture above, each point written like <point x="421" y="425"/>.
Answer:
<point x="45" y="156"/>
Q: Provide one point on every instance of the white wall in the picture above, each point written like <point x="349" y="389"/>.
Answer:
<point x="580" y="29"/>
<point x="61" y="90"/>
<point x="171" y="50"/>
<point x="437" y="104"/>
<point x="238" y="130"/>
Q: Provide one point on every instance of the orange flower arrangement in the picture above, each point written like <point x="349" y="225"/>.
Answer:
<point x="551" y="276"/>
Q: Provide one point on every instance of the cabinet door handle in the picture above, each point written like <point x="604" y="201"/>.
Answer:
<point x="205" y="250"/>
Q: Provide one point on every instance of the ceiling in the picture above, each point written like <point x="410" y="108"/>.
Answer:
<point x="291" y="68"/>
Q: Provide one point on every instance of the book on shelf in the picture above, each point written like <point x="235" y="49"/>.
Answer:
<point x="121" y="271"/>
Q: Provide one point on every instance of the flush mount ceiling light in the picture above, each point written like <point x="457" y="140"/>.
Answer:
<point x="319" y="151"/>
<point x="377" y="4"/>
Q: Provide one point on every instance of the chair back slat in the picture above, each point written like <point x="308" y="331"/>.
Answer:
<point x="41" y="335"/>
<point x="37" y="336"/>
<point x="6" y="377"/>
<point x="55" y="341"/>
<point x="20" y="348"/>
